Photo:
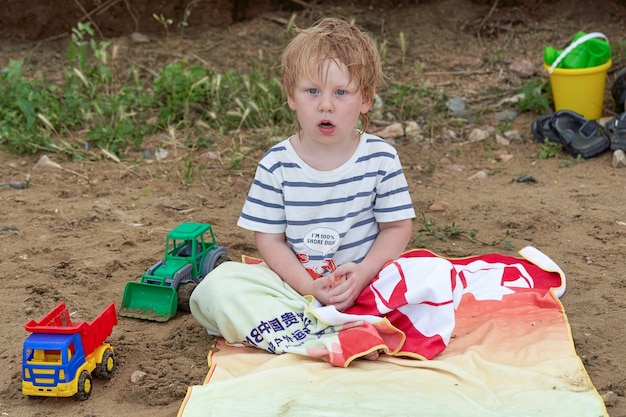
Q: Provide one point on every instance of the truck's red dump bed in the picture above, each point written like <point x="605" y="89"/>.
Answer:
<point x="93" y="334"/>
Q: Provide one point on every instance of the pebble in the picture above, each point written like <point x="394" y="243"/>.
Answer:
<point x="480" y="175"/>
<point x="456" y="106"/>
<point x="138" y="37"/>
<point x="160" y="154"/>
<point x="523" y="67"/>
<point x="393" y="131"/>
<point x="513" y="135"/>
<point x="439" y="206"/>
<point x="505" y="115"/>
<point x="526" y="178"/>
<point x="502" y="156"/>
<point x="478" y="134"/>
<point x="412" y="130"/>
<point x="619" y="159"/>
<point x="609" y="398"/>
<point x="137" y="376"/>
<point x="501" y="140"/>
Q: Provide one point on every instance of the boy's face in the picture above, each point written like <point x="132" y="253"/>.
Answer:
<point x="329" y="106"/>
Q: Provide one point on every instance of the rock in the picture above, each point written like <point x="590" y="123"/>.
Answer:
<point x="456" y="106"/>
<point x="502" y="156"/>
<point x="609" y="398"/>
<point x="523" y="68"/>
<point x="480" y="175"/>
<point x="505" y="115"/>
<point x="619" y="159"/>
<point x="478" y="134"/>
<point x="501" y="140"/>
<point x="160" y="154"/>
<point x="513" y="135"/>
<point x="138" y="37"/>
<point x="449" y="134"/>
<point x="393" y="131"/>
<point x="526" y="178"/>
<point x="137" y="376"/>
<point x="439" y="206"/>
<point x="412" y="130"/>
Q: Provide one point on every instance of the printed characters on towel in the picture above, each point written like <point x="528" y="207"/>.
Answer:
<point x="288" y="331"/>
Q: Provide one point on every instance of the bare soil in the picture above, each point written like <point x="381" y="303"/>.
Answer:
<point x="79" y="233"/>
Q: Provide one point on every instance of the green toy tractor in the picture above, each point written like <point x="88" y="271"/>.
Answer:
<point x="191" y="252"/>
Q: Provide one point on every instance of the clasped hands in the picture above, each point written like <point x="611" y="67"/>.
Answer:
<point x="342" y="287"/>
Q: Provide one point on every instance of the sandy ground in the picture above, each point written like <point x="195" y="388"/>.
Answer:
<point x="78" y="234"/>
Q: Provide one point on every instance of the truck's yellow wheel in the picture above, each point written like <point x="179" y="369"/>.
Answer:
<point x="106" y="367"/>
<point x="85" y="386"/>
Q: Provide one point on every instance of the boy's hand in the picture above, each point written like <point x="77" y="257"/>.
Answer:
<point x="343" y="286"/>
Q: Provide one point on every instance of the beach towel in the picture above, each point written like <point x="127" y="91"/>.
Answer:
<point x="492" y="326"/>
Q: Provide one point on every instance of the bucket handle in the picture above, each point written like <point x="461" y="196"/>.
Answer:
<point x="573" y="45"/>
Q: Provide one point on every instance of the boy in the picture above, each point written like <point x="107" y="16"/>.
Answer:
<point x="329" y="206"/>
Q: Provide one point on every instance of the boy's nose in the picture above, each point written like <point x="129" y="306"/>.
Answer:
<point x="326" y="103"/>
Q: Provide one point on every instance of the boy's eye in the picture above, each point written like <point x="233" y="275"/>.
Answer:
<point x="340" y="92"/>
<point x="313" y="90"/>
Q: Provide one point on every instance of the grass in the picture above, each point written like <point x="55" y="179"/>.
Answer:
<point x="96" y="107"/>
<point x="91" y="109"/>
<point x="430" y="230"/>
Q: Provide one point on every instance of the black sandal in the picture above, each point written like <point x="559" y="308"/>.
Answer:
<point x="579" y="136"/>
<point x="615" y="129"/>
<point x="542" y="129"/>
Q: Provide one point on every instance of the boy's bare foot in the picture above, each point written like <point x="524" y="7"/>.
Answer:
<point x="372" y="356"/>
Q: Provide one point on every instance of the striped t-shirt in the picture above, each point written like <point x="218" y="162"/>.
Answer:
<point x="329" y="217"/>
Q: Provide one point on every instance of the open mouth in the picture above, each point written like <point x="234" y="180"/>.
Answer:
<point x="326" y="125"/>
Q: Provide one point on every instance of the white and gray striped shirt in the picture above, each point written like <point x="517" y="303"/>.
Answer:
<point x="328" y="215"/>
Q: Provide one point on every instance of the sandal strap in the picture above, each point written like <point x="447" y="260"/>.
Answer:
<point x="589" y="129"/>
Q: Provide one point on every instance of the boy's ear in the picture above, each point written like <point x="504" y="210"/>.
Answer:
<point x="291" y="102"/>
<point x="366" y="105"/>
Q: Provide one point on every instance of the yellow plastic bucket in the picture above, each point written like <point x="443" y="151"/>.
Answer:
<point x="580" y="90"/>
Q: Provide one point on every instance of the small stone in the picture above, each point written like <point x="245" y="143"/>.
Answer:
<point x="609" y="398"/>
<point x="619" y="159"/>
<point x="513" y="135"/>
<point x="394" y="130"/>
<point x="137" y="37"/>
<point x="240" y="182"/>
<point x="212" y="154"/>
<point x="456" y="106"/>
<point x="478" y="134"/>
<point x="526" y="178"/>
<point x="501" y="140"/>
<point x="502" y="156"/>
<point x="412" y="129"/>
<point x="439" y="206"/>
<point x="480" y="175"/>
<point x="505" y="115"/>
<point x="160" y="154"/>
<point x="137" y="376"/>
<point x="523" y="68"/>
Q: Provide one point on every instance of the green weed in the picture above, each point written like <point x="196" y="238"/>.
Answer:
<point x="548" y="150"/>
<point x="535" y="97"/>
<point x="430" y="229"/>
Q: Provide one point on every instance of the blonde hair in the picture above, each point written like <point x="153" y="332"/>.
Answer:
<point x="337" y="40"/>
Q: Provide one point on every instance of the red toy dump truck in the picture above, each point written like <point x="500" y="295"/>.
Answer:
<point x="60" y="356"/>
